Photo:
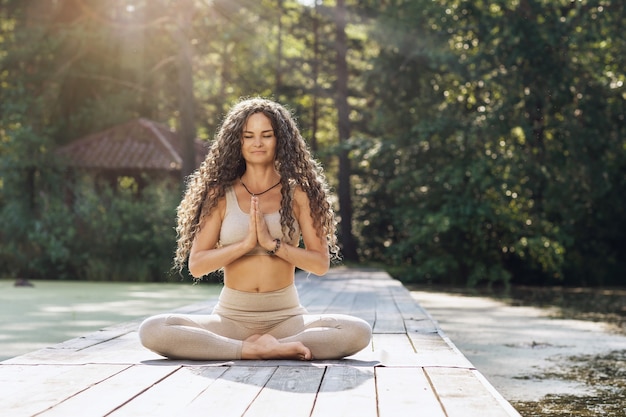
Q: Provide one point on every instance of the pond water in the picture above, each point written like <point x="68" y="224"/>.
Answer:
<point x="51" y="312"/>
<point x="549" y="351"/>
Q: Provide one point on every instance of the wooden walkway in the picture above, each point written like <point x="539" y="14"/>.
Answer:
<point x="410" y="369"/>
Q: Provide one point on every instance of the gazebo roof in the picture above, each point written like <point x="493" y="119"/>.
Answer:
<point x="139" y="144"/>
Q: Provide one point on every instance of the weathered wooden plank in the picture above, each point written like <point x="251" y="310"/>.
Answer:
<point x="41" y="392"/>
<point x="407" y="305"/>
<point x="388" y="317"/>
<point x="435" y="349"/>
<point x="307" y="285"/>
<point x="510" y="410"/>
<point x="406" y="392"/>
<point x="77" y="351"/>
<point x="108" y="394"/>
<point x="97" y="337"/>
<point x="416" y="319"/>
<point x="290" y="392"/>
<point x="168" y="397"/>
<point x="462" y="393"/>
<point x="318" y="301"/>
<point x="18" y="379"/>
<point x="395" y="349"/>
<point x="365" y="307"/>
<point x="47" y="356"/>
<point x="124" y="349"/>
<point x="231" y="394"/>
<point x="69" y="348"/>
<point x="342" y="303"/>
<point x="420" y="325"/>
<point x="346" y="391"/>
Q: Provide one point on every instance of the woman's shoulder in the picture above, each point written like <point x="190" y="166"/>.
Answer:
<point x="221" y="200"/>
<point x="300" y="200"/>
<point x="220" y="192"/>
<point x="298" y="193"/>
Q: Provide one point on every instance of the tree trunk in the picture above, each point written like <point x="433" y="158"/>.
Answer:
<point x="279" y="49"/>
<point x="316" y="57"/>
<point x="343" y="114"/>
<point x="186" y="102"/>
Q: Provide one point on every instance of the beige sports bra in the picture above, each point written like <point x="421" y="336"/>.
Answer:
<point x="235" y="225"/>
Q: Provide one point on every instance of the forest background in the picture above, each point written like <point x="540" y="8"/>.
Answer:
<point x="468" y="142"/>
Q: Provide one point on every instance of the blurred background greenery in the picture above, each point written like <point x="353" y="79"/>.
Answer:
<point x="469" y="142"/>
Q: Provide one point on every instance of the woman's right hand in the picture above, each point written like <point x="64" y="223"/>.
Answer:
<point x="251" y="240"/>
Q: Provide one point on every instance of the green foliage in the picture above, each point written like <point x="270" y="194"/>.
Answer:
<point x="490" y="163"/>
<point x="130" y="237"/>
<point x="112" y="235"/>
<point x="487" y="137"/>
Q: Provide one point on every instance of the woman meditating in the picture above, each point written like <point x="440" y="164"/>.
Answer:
<point x="245" y="210"/>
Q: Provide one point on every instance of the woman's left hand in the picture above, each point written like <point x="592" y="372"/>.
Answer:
<point x="264" y="238"/>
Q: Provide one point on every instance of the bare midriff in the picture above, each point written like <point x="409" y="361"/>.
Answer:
<point x="259" y="273"/>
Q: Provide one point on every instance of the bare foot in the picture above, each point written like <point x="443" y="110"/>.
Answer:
<point x="267" y="347"/>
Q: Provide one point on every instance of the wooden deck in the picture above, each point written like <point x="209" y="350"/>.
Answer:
<point x="410" y="369"/>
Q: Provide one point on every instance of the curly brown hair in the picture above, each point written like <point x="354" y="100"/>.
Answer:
<point x="224" y="164"/>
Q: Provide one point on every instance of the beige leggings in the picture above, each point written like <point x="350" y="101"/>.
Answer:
<point x="239" y="315"/>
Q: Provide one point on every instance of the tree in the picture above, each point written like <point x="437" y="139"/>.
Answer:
<point x="483" y="123"/>
<point x="186" y="99"/>
<point x="343" y="116"/>
<point x="470" y="142"/>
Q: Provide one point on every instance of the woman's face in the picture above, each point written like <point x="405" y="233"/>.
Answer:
<point x="258" y="142"/>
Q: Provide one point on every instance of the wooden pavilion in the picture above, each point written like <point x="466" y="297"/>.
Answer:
<point x="139" y="148"/>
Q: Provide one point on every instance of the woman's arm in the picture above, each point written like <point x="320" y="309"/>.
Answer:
<point x="204" y="257"/>
<point x="314" y="257"/>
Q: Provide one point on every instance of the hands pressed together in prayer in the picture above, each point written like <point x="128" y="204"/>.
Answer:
<point x="258" y="232"/>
